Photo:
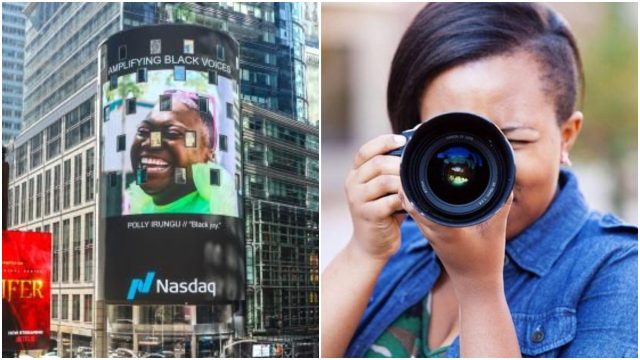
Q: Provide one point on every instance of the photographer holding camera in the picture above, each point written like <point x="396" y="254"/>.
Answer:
<point x="545" y="276"/>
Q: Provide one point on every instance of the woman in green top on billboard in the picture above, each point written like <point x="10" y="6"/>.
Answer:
<point x="173" y="158"/>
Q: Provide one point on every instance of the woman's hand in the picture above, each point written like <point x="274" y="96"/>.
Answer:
<point x="472" y="256"/>
<point x="474" y="259"/>
<point x="347" y="283"/>
<point x="372" y="188"/>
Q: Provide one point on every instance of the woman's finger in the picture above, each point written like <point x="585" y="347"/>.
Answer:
<point x="382" y="207"/>
<point x="380" y="145"/>
<point x="381" y="186"/>
<point x="378" y="165"/>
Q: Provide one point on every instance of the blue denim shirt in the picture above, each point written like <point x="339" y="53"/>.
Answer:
<point x="570" y="278"/>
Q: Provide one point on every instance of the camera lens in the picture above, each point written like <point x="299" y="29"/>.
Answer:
<point x="458" y="174"/>
<point x="457" y="169"/>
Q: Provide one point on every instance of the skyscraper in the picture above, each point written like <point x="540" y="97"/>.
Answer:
<point x="53" y="184"/>
<point x="13" y="28"/>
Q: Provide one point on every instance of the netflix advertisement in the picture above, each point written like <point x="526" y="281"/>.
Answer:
<point x="26" y="290"/>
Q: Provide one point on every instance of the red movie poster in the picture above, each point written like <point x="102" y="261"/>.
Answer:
<point x="26" y="290"/>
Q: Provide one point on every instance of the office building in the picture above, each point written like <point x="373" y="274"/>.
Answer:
<point x="13" y="30"/>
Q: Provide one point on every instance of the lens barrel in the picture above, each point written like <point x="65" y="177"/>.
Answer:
<point x="457" y="169"/>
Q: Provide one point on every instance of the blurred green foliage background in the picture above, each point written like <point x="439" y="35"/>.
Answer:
<point x="609" y="138"/>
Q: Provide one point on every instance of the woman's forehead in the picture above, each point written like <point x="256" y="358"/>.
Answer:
<point x="506" y="89"/>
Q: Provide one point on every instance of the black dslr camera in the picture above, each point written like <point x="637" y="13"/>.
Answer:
<point x="457" y="169"/>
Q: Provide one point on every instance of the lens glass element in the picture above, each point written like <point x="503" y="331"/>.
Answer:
<point x="458" y="174"/>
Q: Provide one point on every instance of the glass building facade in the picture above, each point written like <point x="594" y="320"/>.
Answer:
<point x="13" y="34"/>
<point x="53" y="186"/>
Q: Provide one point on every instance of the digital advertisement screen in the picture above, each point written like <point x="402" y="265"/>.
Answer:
<point x="26" y="290"/>
<point x="171" y="195"/>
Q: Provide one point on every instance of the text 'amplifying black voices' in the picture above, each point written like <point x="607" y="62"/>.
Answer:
<point x="170" y="60"/>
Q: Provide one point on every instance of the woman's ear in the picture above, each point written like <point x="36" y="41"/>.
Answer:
<point x="569" y="131"/>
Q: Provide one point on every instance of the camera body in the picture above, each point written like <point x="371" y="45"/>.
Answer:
<point x="457" y="169"/>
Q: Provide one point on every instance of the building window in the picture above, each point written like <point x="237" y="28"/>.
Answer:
<point x="180" y="176"/>
<point x="312" y="197"/>
<point x="253" y="123"/>
<point x="47" y="192"/>
<point x="142" y="75"/>
<point x="103" y="57"/>
<point x="122" y="52"/>
<point x="21" y="159"/>
<point x="16" y="206"/>
<point x="213" y="77"/>
<point x="77" y="180"/>
<point x="79" y="124"/>
<point x="187" y="47"/>
<point x="155" y="139"/>
<point x="31" y="193"/>
<point x="220" y="52"/>
<point x="223" y="142"/>
<point x="65" y="307"/>
<point x="77" y="232"/>
<point x="286" y="161"/>
<point x="75" y="313"/>
<point x="157" y="314"/>
<point x="113" y="179"/>
<point x="54" y="306"/>
<point x="105" y="114"/>
<point x="88" y="308"/>
<point x="179" y="73"/>
<point x="155" y="46"/>
<point x="36" y="150"/>
<point x="55" y="267"/>
<point x="122" y="143"/>
<point x="56" y="188"/>
<point x="65" y="251"/>
<point x="245" y="75"/>
<point x="287" y="193"/>
<point x="131" y="106"/>
<point x="203" y="104"/>
<point x="165" y="102"/>
<point x="38" y="196"/>
<point x="230" y="111"/>
<point x="190" y="139"/>
<point x="10" y="208"/>
<point x="88" y="247"/>
<point x="88" y="193"/>
<point x="66" y="197"/>
<point x="23" y="203"/>
<point x="53" y="139"/>
<point x="141" y="176"/>
<point x="113" y="82"/>
<point x="214" y="177"/>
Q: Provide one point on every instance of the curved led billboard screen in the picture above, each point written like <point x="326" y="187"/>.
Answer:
<point x="170" y="194"/>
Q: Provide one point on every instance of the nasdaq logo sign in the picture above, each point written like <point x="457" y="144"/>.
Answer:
<point x="166" y="286"/>
<point x="138" y="285"/>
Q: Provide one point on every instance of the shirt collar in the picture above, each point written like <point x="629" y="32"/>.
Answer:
<point x="538" y="247"/>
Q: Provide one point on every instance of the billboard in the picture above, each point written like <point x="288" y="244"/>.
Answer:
<point x="26" y="290"/>
<point x="171" y="189"/>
